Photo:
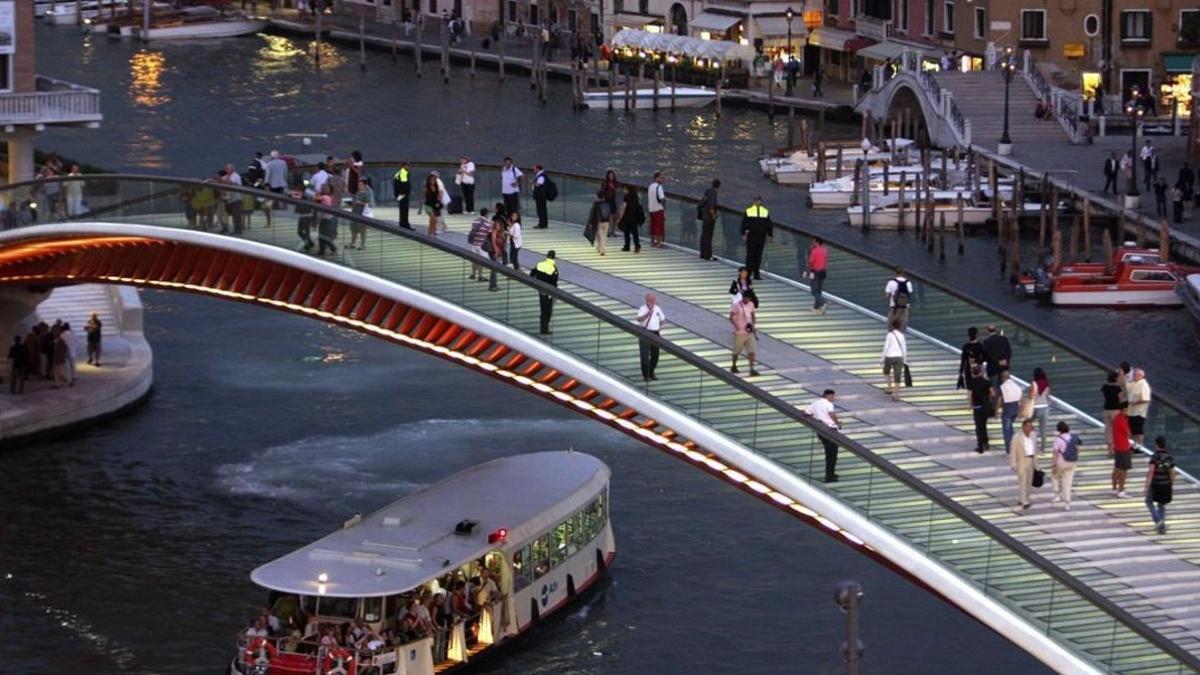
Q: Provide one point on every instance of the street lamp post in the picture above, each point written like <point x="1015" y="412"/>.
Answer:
<point x="1135" y="112"/>
<point x="1007" y="67"/>
<point x="791" y="75"/>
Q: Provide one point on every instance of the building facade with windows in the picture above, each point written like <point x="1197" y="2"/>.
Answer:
<point x="1111" y="45"/>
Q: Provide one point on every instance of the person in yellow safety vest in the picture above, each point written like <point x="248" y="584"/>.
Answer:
<point x="403" y="188"/>
<point x="756" y="230"/>
<point x="546" y="271"/>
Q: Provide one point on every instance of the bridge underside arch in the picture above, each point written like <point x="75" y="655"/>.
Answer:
<point x="906" y="113"/>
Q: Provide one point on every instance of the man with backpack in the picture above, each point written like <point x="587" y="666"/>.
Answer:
<point x="544" y="190"/>
<point x="1062" y="471"/>
<point x="898" y="293"/>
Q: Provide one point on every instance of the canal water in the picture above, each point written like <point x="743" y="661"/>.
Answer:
<point x="128" y="549"/>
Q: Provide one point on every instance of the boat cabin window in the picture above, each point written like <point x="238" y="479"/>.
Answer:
<point x="346" y="608"/>
<point x="372" y="609"/>
<point x="565" y="539"/>
<point x="541" y="556"/>
<point x="520" y="563"/>
<point x="1151" y="275"/>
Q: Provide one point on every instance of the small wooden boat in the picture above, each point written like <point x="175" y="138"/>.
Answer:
<point x="643" y="98"/>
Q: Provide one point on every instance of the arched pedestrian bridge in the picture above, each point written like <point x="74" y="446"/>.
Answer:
<point x="1089" y="590"/>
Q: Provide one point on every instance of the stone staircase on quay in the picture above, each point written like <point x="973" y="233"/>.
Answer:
<point x="979" y="96"/>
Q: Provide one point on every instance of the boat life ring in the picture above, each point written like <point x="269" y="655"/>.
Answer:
<point x="340" y="661"/>
<point x="260" y="652"/>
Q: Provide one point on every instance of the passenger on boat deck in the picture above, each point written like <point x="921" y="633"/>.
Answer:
<point x="411" y="623"/>
<point x="329" y="637"/>
<point x="460" y="604"/>
<point x="487" y="591"/>
<point x="358" y="631"/>
<point x="271" y="621"/>
<point x="435" y="604"/>
<point x="375" y="642"/>
<point x="425" y="624"/>
<point x="259" y="629"/>
<point x="312" y="628"/>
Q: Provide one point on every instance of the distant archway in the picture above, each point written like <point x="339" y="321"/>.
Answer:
<point x="679" y="19"/>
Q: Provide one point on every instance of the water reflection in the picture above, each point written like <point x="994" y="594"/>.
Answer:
<point x="330" y="56"/>
<point x="146" y="75"/>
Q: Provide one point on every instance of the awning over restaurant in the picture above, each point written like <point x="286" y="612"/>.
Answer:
<point x="776" y="26"/>
<point x="720" y="50"/>
<point x="714" y="22"/>
<point x="883" y="51"/>
<point x="1178" y="63"/>
<point x="634" y="20"/>
<point x="830" y="38"/>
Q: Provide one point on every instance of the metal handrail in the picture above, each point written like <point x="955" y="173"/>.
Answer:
<point x="862" y="452"/>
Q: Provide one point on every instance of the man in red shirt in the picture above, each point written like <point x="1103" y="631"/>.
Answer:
<point x="1122" y="453"/>
<point x="818" y="260"/>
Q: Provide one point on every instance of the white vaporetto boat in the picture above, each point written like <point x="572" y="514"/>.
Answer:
<point x="643" y="98"/>
<point x="202" y="22"/>
<point x="433" y="580"/>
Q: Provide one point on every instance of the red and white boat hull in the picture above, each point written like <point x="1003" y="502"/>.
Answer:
<point x="1113" y="295"/>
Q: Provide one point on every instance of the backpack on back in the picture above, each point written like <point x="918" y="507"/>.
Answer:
<point x="551" y="190"/>
<point x="1071" y="452"/>
<point x="900" y="297"/>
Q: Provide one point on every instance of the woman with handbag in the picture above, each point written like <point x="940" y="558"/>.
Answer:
<point x="895" y="356"/>
<point x="431" y="198"/>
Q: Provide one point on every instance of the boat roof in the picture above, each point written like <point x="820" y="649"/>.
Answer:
<point x="411" y="541"/>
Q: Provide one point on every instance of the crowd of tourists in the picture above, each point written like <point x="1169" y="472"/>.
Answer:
<point x="47" y="353"/>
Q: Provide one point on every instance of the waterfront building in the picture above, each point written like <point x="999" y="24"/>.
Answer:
<point x="1116" y="44"/>
<point x="30" y="102"/>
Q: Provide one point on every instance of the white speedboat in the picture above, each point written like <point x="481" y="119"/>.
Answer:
<point x="885" y="214"/>
<point x="840" y="192"/>
<point x="202" y="22"/>
<point x="69" y="13"/>
<point x="508" y="543"/>
<point x="643" y="98"/>
<point x="801" y="168"/>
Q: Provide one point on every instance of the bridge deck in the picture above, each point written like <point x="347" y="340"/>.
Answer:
<point x="1108" y="543"/>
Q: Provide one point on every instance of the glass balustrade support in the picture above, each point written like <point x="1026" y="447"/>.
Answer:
<point x="1028" y="583"/>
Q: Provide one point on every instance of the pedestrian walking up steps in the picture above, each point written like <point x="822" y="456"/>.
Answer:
<point x="979" y="96"/>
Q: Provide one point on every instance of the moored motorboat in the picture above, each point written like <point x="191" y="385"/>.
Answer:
<point x="643" y="98"/>
<point x="1189" y="292"/>
<point x="885" y="214"/>
<point x="68" y="12"/>
<point x="1137" y="278"/>
<point x="200" y="23"/>
<point x="439" y="577"/>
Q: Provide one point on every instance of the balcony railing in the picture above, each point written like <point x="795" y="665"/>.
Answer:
<point x="54" y="102"/>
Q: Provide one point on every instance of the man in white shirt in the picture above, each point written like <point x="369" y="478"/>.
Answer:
<point x="822" y="410"/>
<point x="539" y="197"/>
<point x="651" y="317"/>
<point x="319" y="179"/>
<point x="1137" y="393"/>
<point x="233" y="200"/>
<point x="1022" y="457"/>
<point x="510" y="185"/>
<point x="656" y="207"/>
<point x="1010" y="397"/>
<point x="466" y="180"/>
<point x="275" y="172"/>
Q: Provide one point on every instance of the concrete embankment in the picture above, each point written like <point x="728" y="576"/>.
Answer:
<point x="121" y="382"/>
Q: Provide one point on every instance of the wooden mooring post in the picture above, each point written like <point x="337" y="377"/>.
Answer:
<point x="900" y="205"/>
<point x="1087" y="229"/>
